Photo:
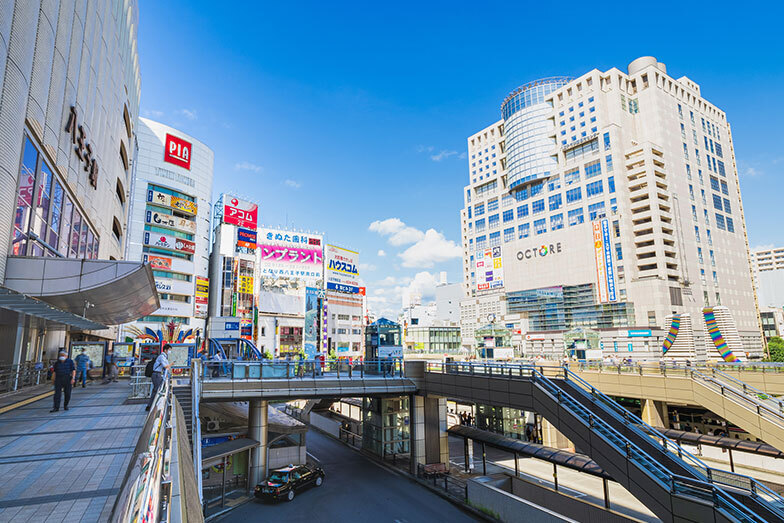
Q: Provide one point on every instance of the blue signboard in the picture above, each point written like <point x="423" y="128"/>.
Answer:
<point x="631" y="347"/>
<point x="608" y="260"/>
<point x="342" y="288"/>
<point x="639" y="333"/>
<point x="232" y="326"/>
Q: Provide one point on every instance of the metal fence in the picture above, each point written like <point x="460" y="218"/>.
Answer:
<point x="313" y="369"/>
<point x="17" y="377"/>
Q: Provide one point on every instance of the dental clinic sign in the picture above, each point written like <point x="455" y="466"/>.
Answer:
<point x="539" y="252"/>
<point x="177" y="151"/>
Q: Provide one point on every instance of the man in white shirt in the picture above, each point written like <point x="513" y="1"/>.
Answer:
<point x="158" y="371"/>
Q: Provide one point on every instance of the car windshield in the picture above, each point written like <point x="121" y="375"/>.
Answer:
<point x="278" y="477"/>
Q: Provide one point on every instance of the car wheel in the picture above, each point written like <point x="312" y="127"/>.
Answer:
<point x="290" y="495"/>
<point x="319" y="481"/>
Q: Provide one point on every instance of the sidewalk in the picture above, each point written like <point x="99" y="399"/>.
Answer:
<point x="67" y="466"/>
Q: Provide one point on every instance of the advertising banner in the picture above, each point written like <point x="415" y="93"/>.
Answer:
<point x="246" y="284"/>
<point x="240" y="212"/>
<point x="167" y="220"/>
<point x="158" y="198"/>
<point x="342" y="272"/>
<point x="169" y="241"/>
<point x="601" y="268"/>
<point x="290" y="254"/>
<point x="314" y="300"/>
<point x="202" y="289"/>
<point x="183" y="205"/>
<point x="160" y="262"/>
<point x="246" y="238"/>
<point x="490" y="270"/>
<point x="177" y="151"/>
<point x="200" y="310"/>
<point x="608" y="260"/>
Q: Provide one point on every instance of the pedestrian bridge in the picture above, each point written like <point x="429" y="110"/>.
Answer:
<point x="741" y="394"/>
<point x="287" y="380"/>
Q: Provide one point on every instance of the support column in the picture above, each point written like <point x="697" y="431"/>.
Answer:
<point x="257" y="429"/>
<point x="416" y="407"/>
<point x="552" y="437"/>
<point x="654" y="413"/>
<point x="436" y="436"/>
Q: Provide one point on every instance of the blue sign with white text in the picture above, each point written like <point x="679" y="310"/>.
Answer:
<point x="232" y="326"/>
<point x="342" y="288"/>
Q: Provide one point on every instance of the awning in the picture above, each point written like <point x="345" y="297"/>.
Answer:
<point x="109" y="292"/>
<point x="14" y="301"/>
<point x="692" y="438"/>
<point x="214" y="454"/>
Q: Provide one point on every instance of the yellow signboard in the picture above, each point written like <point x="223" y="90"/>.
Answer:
<point x="183" y="205"/>
<point x="246" y="284"/>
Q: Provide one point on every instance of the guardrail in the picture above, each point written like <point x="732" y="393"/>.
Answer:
<point x="673" y="483"/>
<point x="17" y="377"/>
<point x="196" y="422"/>
<point x="312" y="369"/>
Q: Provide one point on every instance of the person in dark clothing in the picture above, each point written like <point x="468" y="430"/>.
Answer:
<point x="162" y="365"/>
<point x="63" y="377"/>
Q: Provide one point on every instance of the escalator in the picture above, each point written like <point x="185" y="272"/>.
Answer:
<point x="753" y="496"/>
<point x="234" y="349"/>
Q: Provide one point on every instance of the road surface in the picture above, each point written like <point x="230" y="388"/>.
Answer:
<point x="355" y="489"/>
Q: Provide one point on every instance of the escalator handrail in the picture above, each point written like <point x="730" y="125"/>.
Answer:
<point x="744" y="391"/>
<point x="217" y="348"/>
<point x="637" y="423"/>
<point x="256" y="352"/>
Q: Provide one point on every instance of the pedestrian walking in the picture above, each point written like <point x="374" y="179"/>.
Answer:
<point x="111" y="367"/>
<point x="63" y="378"/>
<point x="82" y="365"/>
<point x="162" y="365"/>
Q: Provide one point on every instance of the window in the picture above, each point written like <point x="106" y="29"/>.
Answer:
<point x="719" y="152"/>
<point x="691" y="192"/>
<point x="617" y="228"/>
<point x="556" y="222"/>
<point x="574" y="195"/>
<point x="481" y="243"/>
<point x="614" y="205"/>
<point x="685" y="151"/>
<point x="596" y="211"/>
<point x="492" y="205"/>
<point x="582" y="150"/>
<point x="479" y="225"/>
<point x="509" y="234"/>
<point x="593" y="169"/>
<point x="469" y="213"/>
<point x="555" y="202"/>
<point x="727" y="207"/>
<point x="507" y="200"/>
<point x="575" y="216"/>
<point x="537" y="206"/>
<point x="712" y="258"/>
<point x="536" y="189"/>
<point x="508" y="215"/>
<point x="683" y="131"/>
<point x="540" y="226"/>
<point x="694" y="212"/>
<point x="730" y="225"/>
<point x="611" y="184"/>
<point x="720" y="222"/>
<point x="495" y="239"/>
<point x="608" y="162"/>
<point x="680" y="111"/>
<point x="724" y="188"/>
<point x="714" y="182"/>
<point x="553" y="184"/>
<point x="479" y="209"/>
<point x="523" y="230"/>
<point x="572" y="176"/>
<point x="493" y="221"/>
<point x="699" y="254"/>
<point x="721" y="170"/>
<point x="522" y="211"/>
<point x="710" y="238"/>
<point x="634" y="107"/>
<point x="486" y="188"/>
<point x="697" y="233"/>
<point x="688" y="172"/>
<point x="618" y="252"/>
<point x="717" y="204"/>
<point x="594" y="189"/>
<point x="715" y="281"/>
<point x="521" y="195"/>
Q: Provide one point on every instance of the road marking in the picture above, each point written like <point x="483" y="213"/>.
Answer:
<point x="26" y="402"/>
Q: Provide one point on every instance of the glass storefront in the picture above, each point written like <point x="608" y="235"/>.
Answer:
<point x="385" y="430"/>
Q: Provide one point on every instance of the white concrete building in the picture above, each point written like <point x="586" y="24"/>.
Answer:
<point x="768" y="266"/>
<point x="169" y="223"/>
<point x="598" y="206"/>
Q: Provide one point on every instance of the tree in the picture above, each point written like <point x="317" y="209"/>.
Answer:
<point x="776" y="348"/>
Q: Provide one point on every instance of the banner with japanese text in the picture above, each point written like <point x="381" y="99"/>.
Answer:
<point x="290" y="254"/>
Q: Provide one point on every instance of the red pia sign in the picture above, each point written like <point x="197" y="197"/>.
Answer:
<point x="177" y="151"/>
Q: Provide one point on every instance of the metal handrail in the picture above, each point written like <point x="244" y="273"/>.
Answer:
<point x="749" y="390"/>
<point x="237" y="370"/>
<point x="663" y="476"/>
<point x="195" y="422"/>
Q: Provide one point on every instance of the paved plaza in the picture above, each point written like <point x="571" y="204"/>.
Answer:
<point x="67" y="465"/>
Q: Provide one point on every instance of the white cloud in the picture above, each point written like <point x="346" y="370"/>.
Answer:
<point x="381" y="253"/>
<point x="424" y="148"/>
<point x="190" y="114"/>
<point x="293" y="184"/>
<point x="442" y="155"/>
<point x="751" y="171"/>
<point x="463" y="155"/>
<point x="399" y="233"/>
<point x="431" y="249"/>
<point x="247" y="166"/>
<point x="152" y="113"/>
<point x="367" y="267"/>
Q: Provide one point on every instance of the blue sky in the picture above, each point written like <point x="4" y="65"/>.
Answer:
<point x="337" y="115"/>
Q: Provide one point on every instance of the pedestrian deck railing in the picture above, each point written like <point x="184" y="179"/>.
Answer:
<point x="708" y="487"/>
<point x="311" y="369"/>
<point x="18" y="377"/>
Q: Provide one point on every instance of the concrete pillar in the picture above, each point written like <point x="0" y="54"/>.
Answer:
<point x="436" y="436"/>
<point x="257" y="429"/>
<point x="18" y="341"/>
<point x="552" y="437"/>
<point x="417" y="428"/>
<point x="654" y="413"/>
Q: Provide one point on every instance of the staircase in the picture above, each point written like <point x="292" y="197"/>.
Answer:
<point x="184" y="397"/>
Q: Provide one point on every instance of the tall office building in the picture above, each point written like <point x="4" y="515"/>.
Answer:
<point x="69" y="100"/>
<point x="768" y="267"/>
<point x="169" y="228"/>
<point x="600" y="207"/>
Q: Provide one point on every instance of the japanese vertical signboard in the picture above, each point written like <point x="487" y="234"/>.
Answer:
<point x="605" y="268"/>
<point x="246" y="284"/>
<point x="201" y="296"/>
<point x="342" y="272"/>
<point x="240" y="212"/>
<point x="490" y="270"/>
<point x="290" y="254"/>
<point x="314" y="303"/>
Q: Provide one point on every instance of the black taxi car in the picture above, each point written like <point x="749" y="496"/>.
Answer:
<point x="283" y="483"/>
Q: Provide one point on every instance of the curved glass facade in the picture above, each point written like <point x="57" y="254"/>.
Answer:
<point x="526" y="128"/>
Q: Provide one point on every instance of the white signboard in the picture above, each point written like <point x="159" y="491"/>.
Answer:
<point x="168" y="220"/>
<point x="489" y="270"/>
<point x="341" y="269"/>
<point x="290" y="254"/>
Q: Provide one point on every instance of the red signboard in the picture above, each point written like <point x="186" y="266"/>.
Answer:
<point x="239" y="212"/>
<point x="160" y="262"/>
<point x="185" y="245"/>
<point x="177" y="151"/>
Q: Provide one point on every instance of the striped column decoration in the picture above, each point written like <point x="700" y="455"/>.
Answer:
<point x="670" y="339"/>
<point x="715" y="334"/>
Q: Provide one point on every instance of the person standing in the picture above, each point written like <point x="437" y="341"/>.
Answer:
<point x="63" y="377"/>
<point x="162" y="365"/>
<point x="111" y="366"/>
<point x="82" y="364"/>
